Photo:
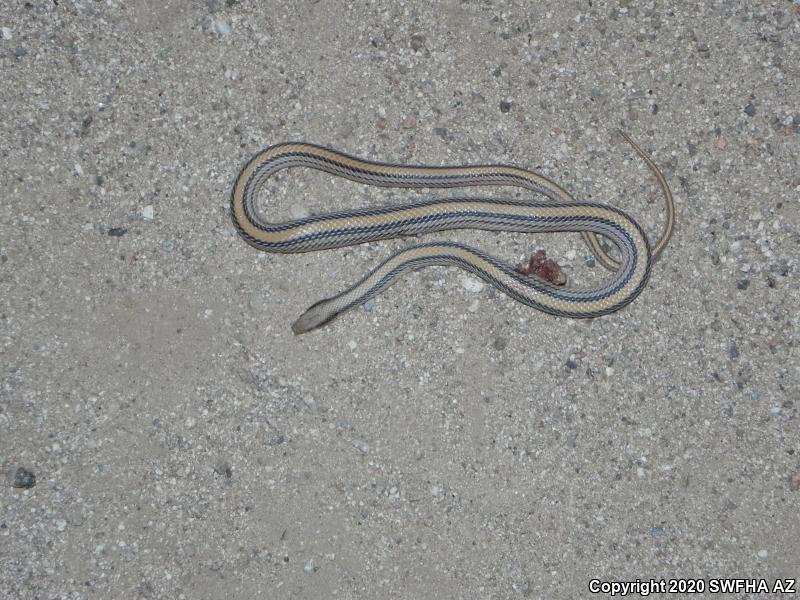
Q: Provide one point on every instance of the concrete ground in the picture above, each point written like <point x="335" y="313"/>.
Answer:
<point x="164" y="435"/>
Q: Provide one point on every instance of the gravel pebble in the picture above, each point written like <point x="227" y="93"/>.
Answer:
<point x="221" y="27"/>
<point x="298" y="211"/>
<point x="23" y="478"/>
<point x="472" y="285"/>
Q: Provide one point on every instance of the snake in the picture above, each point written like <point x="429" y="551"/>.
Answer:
<point x="555" y="210"/>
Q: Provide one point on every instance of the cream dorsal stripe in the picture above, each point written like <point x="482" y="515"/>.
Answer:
<point x="559" y="212"/>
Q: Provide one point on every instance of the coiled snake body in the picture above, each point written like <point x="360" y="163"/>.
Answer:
<point x="559" y="212"/>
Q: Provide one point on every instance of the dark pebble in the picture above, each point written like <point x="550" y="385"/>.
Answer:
<point x="223" y="468"/>
<point x="20" y="52"/>
<point x="750" y="110"/>
<point x="117" y="231"/>
<point x="733" y="351"/>
<point x="743" y="284"/>
<point x="571" y="364"/>
<point x="500" y="343"/>
<point x="505" y="106"/>
<point x="24" y="479"/>
<point x="417" y="42"/>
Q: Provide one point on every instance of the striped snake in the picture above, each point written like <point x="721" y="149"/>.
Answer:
<point x="558" y="212"/>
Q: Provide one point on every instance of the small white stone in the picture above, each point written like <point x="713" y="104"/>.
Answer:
<point x="221" y="27"/>
<point x="61" y="524"/>
<point x="6" y="33"/>
<point x="352" y="345"/>
<point x="309" y="567"/>
<point x="361" y="445"/>
<point x="571" y="254"/>
<point x="78" y="170"/>
<point x="471" y="284"/>
<point x="148" y="212"/>
<point x="298" y="211"/>
<point x="473" y="307"/>
<point x="762" y="554"/>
